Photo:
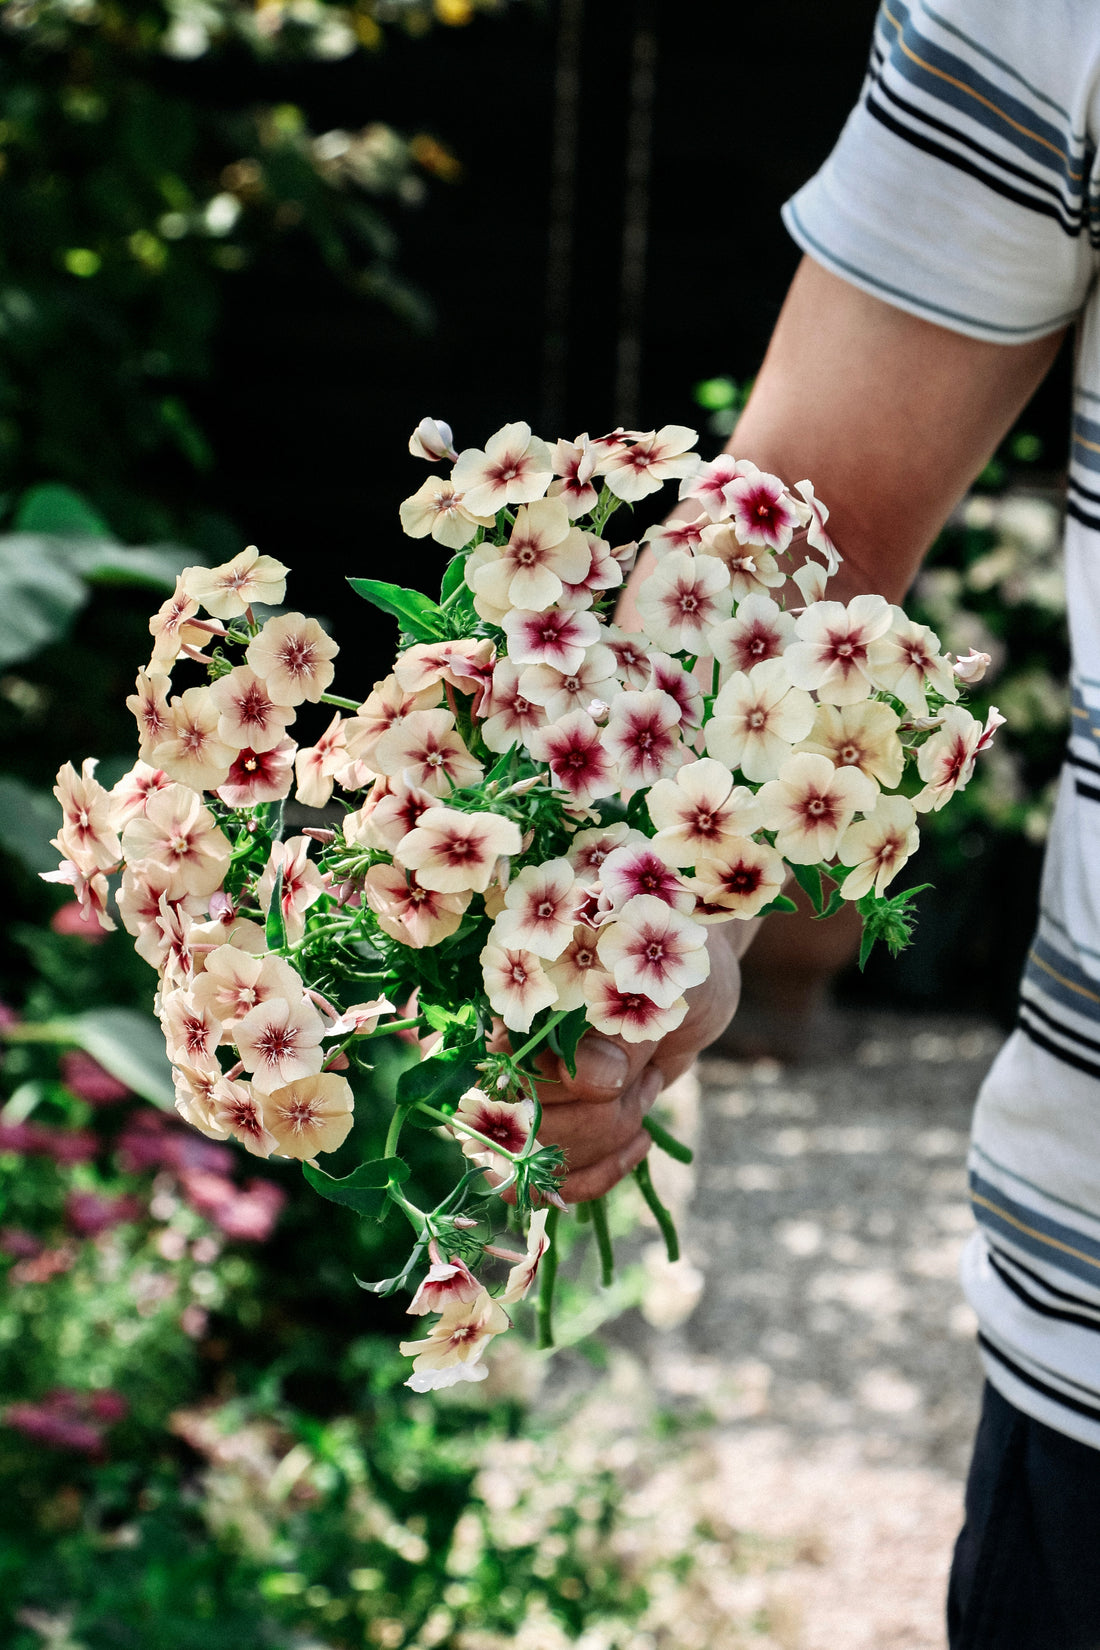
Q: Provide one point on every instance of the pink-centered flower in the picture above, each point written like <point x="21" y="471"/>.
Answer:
<point x="303" y="884"/>
<point x="259" y="776"/>
<point x="643" y="737"/>
<point x="946" y="761"/>
<point x="561" y="637"/>
<point x="309" y="1115"/>
<point x="759" y="630"/>
<point x="757" y="719"/>
<point x="751" y="571"/>
<point x="737" y="880"/>
<point x="653" y="949"/>
<point x="908" y="663"/>
<point x="465" y="664"/>
<point x="810" y="806"/>
<point x="280" y="1041"/>
<point x="439" y="508"/>
<point x="606" y="570"/>
<point x="636" y="868"/>
<point x="682" y="598"/>
<point x="506" y="1123"/>
<point x="567" y="973"/>
<point x="234" y="982"/>
<point x="631" y="650"/>
<point x="179" y="835"/>
<point x="840" y="648"/>
<point x="699" y="811"/>
<point x="516" y="984"/>
<point x="193" y="753"/>
<point x="575" y="464"/>
<point x="452" y="852"/>
<point x="539" y="909"/>
<point x="191" y="1032"/>
<point x="510" y="716"/>
<point x="229" y="590"/>
<point x="388" y="815"/>
<point x="446" y="1283"/>
<point x="817" y="538"/>
<point x="409" y="912"/>
<point x="91" y="892"/>
<point x="630" y="1015"/>
<point x="515" y="468"/>
<point x="861" y="736"/>
<point x="523" y="1274"/>
<point x="710" y="481"/>
<point x="432" y="439"/>
<point x="149" y="705"/>
<point x="454" y="1347"/>
<point x="684" y="536"/>
<point x="544" y="552"/>
<point x="247" y="714"/>
<point x="573" y="749"/>
<point x="426" y="750"/>
<point x="87" y="836"/>
<point x="877" y="847"/>
<point x="669" y="676"/>
<point x="762" y="511"/>
<point x="171" y="629"/>
<point x="385" y="705"/>
<point x="316" y="766"/>
<point x="293" y="656"/>
<point x="588" y="849"/>
<point x="236" y="1109"/>
<point x="637" y="466"/>
<point x="130" y="793"/>
<point x="559" y="692"/>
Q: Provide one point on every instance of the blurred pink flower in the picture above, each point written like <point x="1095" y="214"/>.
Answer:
<point x="79" y="921"/>
<point x="87" y="1214"/>
<point x="87" y="1078"/>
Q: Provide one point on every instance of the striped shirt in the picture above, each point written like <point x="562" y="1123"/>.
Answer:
<point x="965" y="188"/>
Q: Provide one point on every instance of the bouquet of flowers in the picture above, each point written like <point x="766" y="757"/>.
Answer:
<point x="528" y="826"/>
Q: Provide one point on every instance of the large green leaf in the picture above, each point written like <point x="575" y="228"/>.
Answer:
<point x="157" y="566"/>
<point x="366" y="1189"/>
<point x="52" y="507"/>
<point x="131" y="1047"/>
<point x="28" y="819"/>
<point x="417" y="614"/>
<point x="440" y="1081"/>
<point x="39" y="596"/>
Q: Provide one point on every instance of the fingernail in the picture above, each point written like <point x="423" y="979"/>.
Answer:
<point x="601" y="1063"/>
<point x="649" y="1087"/>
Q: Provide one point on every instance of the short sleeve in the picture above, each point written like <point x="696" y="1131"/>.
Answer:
<point x="961" y="185"/>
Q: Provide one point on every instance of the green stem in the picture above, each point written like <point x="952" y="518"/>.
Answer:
<point x="341" y="704"/>
<point x="715" y="678"/>
<point x="384" y="1031"/>
<point x="603" y="1241"/>
<point x="668" y="1142"/>
<point x="660" y="1213"/>
<point x="394" y="1133"/>
<point x="540" y="1036"/>
<point x="548" y="1272"/>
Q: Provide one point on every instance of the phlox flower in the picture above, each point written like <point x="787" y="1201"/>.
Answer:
<point x="233" y="982"/>
<point x="437" y="507"/>
<point x="386" y="704"/>
<point x="946" y="761"/>
<point x="861" y="736"/>
<point x="561" y="636"/>
<point x="762" y="511"/>
<point x="316" y="766"/>
<point x="130" y="793"/>
<point x="452" y="852"/>
<point x="878" y="846"/>
<point x="510" y="716"/>
<point x="259" y="776"/>
<point x="516" y="984"/>
<point x="573" y="749"/>
<point x="303" y="884"/>
<point x="544" y="552"/>
<point x="681" y="599"/>
<point x="636" y="868"/>
<point x="523" y="1274"/>
<point x="229" y="590"/>
<point x="90" y="891"/>
<point x="87" y="835"/>
<point x="568" y="972"/>
<point x="738" y="880"/>
<point x="446" y="1283"/>
<point x="150" y="709"/>
<point x="409" y="912"/>
<point x="757" y="719"/>
<point x="971" y="667"/>
<point x="309" y="1115"/>
<point x="360" y="1019"/>
<point x="247" y="714"/>
<point x="710" y="481"/>
<point x="236" y="1110"/>
<point x="192" y="752"/>
<point x="280" y="1041"/>
<point x="817" y="538"/>
<point x="759" y="630"/>
<point x="653" y="949"/>
<point x="676" y="535"/>
<point x="639" y="465"/>
<point x="432" y="439"/>
<point x="191" y="1031"/>
<point x="631" y="650"/>
<point x="178" y="834"/>
<point x="425" y="748"/>
<point x="811" y="805"/>
<point x="840" y="649"/>
<point x="643" y="737"/>
<point x="453" y="1349"/>
<point x="539" y="909"/>
<point x="750" y="570"/>
<point x="515" y="468"/>
<point x="559" y="692"/>
<point x="606" y="570"/>
<point x="588" y="849"/>
<point x="909" y="661"/>
<point x="811" y="579"/>
<point x="669" y="676"/>
<point x="390" y="812"/>
<point x="574" y="463"/>
<point x="466" y="664"/>
<point x="506" y="1122"/>
<point x="699" y="811"/>
<point x="176" y="931"/>
<point x="630" y="1015"/>
<point x="171" y="630"/>
<point x="194" y="1094"/>
<point x="138" y="901"/>
<point x="293" y="657"/>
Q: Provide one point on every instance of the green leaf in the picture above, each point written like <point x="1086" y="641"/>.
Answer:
<point x="836" y="900"/>
<point x="28" y="818"/>
<point x="440" y="1080"/>
<point x="365" y="1189"/>
<point x="131" y="1047"/>
<point x="275" y="927"/>
<point x="454" y="576"/>
<point x="808" y="878"/>
<point x="567" y="1034"/>
<point x="157" y="568"/>
<point x="417" y="614"/>
<point x="52" y="507"/>
<point x="779" y="903"/>
<point x="39" y="596"/>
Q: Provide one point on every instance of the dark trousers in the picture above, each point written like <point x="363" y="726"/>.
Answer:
<point x="1026" y="1574"/>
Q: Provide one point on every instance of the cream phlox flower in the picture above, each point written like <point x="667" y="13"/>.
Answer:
<point x="280" y="1041"/>
<point x="516" y="984"/>
<point x="87" y="835"/>
<point x="233" y="982"/>
<point x="523" y="1274"/>
<point x="191" y="1031"/>
<point x="757" y="719"/>
<point x="762" y="511"/>
<point x="91" y="891"/>
<point x="840" y="649"/>
<point x="861" y="736"/>
<point x="559" y="692"/>
<point x="505" y="1122"/>
<point x="303" y="884"/>
<point x="909" y="662"/>
<point x="630" y="1015"/>
<point x="171" y="630"/>
<point x="138" y="901"/>
<point x="426" y="749"/>
<point x="635" y="467"/>
<point x="293" y="656"/>
<point x="388" y="815"/>
<point x="738" y="880"/>
<point x="192" y="752"/>
<point x="309" y="1115"/>
<point x="386" y="704"/>
<point x="236" y="1110"/>
<point x="636" y="868"/>
<point x="180" y="836"/>
<point x="151" y="713"/>
<point x="669" y="676"/>
<point x="247" y="714"/>
<point x="699" y="811"/>
<point x="466" y="664"/>
<point x="971" y="667"/>
<point x="130" y="793"/>
<point x="316" y="766"/>
<point x="510" y="716"/>
<point x="651" y="948"/>
<point x="409" y="912"/>
<point x="446" y="1283"/>
<point x="194" y="1099"/>
<point x="539" y="909"/>
<point x="684" y="536"/>
<point x="259" y="776"/>
<point x="750" y="570"/>
<point x="710" y="481"/>
<point x="515" y="468"/>
<point x="811" y="579"/>
<point x="453" y="1349"/>
<point x="544" y="552"/>
<point x="759" y="630"/>
<point x="575" y="463"/>
<point x="878" y="846"/>
<point x="561" y="636"/>
<point x="682" y="598"/>
<point x="643" y="737"/>
<point x="438" y="508"/>
<point x="567" y="972"/>
<point x="229" y="590"/>
<point x="432" y="439"/>
<point x="631" y="650"/>
<point x="606" y="570"/>
<point x="588" y="849"/>
<point x="574" y="751"/>
<point x="811" y="805"/>
<point x="175" y="930"/>
<point x="946" y="761"/>
<point x="361" y="1019"/>
<point x="452" y="851"/>
<point x="817" y="538"/>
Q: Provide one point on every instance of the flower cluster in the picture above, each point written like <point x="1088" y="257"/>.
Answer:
<point x="526" y="828"/>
